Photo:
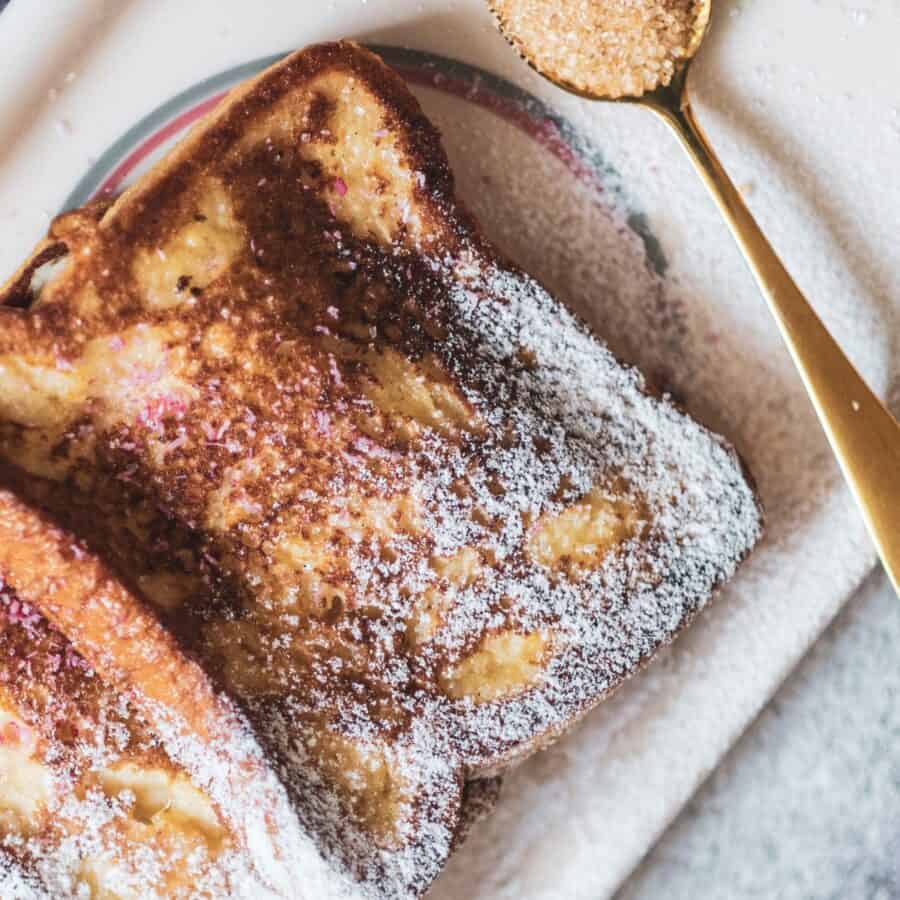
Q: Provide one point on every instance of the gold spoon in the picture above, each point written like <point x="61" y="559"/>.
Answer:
<point x="863" y="434"/>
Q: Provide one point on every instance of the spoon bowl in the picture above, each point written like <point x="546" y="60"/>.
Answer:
<point x="519" y="31"/>
<point x="863" y="434"/>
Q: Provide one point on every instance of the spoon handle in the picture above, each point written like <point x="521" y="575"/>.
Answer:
<point x="863" y="434"/>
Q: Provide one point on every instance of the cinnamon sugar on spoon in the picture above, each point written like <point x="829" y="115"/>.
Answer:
<point x="605" y="48"/>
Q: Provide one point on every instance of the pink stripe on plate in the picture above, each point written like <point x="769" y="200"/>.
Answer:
<point x="180" y="122"/>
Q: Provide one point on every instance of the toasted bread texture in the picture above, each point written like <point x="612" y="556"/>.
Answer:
<point x="400" y="506"/>
<point x="122" y="774"/>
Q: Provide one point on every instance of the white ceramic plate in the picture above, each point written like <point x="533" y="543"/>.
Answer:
<point x="595" y="202"/>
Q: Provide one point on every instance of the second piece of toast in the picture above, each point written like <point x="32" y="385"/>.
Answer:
<point x="122" y="775"/>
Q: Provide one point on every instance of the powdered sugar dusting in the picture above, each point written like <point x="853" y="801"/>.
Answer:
<point x="598" y="421"/>
<point x="317" y="528"/>
<point x="87" y="838"/>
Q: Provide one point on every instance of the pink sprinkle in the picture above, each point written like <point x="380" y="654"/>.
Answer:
<point x="73" y="660"/>
<point x="381" y="133"/>
<point x="21" y="613"/>
<point x="340" y="186"/>
<point x="322" y="422"/>
<point x="175" y="444"/>
<point x="159" y="408"/>
<point x="335" y="371"/>
<point x="116" y="343"/>
<point x="332" y="312"/>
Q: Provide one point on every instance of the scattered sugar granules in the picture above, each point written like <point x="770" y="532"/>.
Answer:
<point x="610" y="48"/>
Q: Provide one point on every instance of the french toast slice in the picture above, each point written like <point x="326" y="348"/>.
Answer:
<point x="395" y="500"/>
<point x="122" y="774"/>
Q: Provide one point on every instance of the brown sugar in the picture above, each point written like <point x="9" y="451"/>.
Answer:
<point x="610" y="48"/>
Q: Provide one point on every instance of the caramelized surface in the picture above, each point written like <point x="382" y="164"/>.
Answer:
<point x="122" y="774"/>
<point x="83" y="779"/>
<point x="277" y="385"/>
<point x="397" y="502"/>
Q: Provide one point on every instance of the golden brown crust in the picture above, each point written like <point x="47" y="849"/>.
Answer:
<point x="123" y="772"/>
<point x="395" y="500"/>
<point x="226" y="124"/>
<point x="105" y="621"/>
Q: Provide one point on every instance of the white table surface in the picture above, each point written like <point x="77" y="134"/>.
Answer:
<point x="800" y="99"/>
<point x="807" y="804"/>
